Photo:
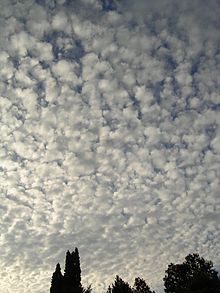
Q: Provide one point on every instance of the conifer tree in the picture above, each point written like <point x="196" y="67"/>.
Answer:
<point x="69" y="268"/>
<point x="76" y="268"/>
<point x="72" y="274"/>
<point x="140" y="286"/>
<point x="71" y="281"/>
<point x="57" y="281"/>
<point x="119" y="286"/>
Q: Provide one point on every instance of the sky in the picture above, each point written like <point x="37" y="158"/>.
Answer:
<point x="109" y="138"/>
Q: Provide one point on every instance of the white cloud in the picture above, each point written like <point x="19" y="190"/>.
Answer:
<point x="109" y="125"/>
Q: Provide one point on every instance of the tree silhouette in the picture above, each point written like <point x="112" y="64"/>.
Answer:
<point x="69" y="268"/>
<point x="76" y="267"/>
<point x="71" y="281"/>
<point x="201" y="283"/>
<point x="69" y="274"/>
<point x="140" y="286"/>
<point x="194" y="274"/>
<point x="119" y="286"/>
<point x="57" y="280"/>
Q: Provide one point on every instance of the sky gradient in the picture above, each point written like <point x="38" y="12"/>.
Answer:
<point x="109" y="138"/>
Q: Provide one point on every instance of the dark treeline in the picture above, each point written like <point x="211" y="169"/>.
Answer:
<point x="194" y="275"/>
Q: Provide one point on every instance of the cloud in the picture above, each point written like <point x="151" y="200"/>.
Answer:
<point x="109" y="138"/>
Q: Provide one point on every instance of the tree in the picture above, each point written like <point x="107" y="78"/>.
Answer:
<point x="140" y="286"/>
<point x="76" y="267"/>
<point x="57" y="280"/>
<point x="119" y="286"/>
<point x="71" y="281"/>
<point x="201" y="283"/>
<point x="69" y="269"/>
<point x="193" y="274"/>
<point x="87" y="290"/>
<point x="72" y="273"/>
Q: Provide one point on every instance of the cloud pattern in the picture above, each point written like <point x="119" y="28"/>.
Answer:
<point x="110" y="138"/>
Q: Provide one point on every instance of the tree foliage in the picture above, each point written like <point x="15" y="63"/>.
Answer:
<point x="57" y="280"/>
<point x="76" y="268"/>
<point x="119" y="286"/>
<point x="70" y="282"/>
<point x="193" y="274"/>
<point x="140" y="286"/>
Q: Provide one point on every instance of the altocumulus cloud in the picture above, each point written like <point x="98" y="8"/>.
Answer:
<point x="110" y="138"/>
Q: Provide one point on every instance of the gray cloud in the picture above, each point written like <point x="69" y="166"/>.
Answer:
<point x="109" y="138"/>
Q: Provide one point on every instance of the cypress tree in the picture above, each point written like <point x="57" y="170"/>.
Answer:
<point x="68" y="274"/>
<point x="57" y="280"/>
<point x="71" y="281"/>
<point x="76" y="267"/>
